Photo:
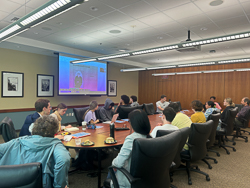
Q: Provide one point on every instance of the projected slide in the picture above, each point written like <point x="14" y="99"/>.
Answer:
<point x="88" y="78"/>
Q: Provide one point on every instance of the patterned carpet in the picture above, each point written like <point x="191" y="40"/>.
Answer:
<point x="230" y="171"/>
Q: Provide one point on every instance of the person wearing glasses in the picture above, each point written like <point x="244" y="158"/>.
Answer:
<point x="42" y="107"/>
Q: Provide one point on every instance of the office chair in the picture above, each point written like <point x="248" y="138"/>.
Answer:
<point x="7" y="129"/>
<point x="79" y="112"/>
<point x="149" y="109"/>
<point x="97" y="114"/>
<point x="140" y="107"/>
<point x="211" y="139"/>
<point x="179" y="103"/>
<point x="156" y="154"/>
<point x="227" y="129"/>
<point x="125" y="110"/>
<point x="239" y="128"/>
<point x="25" y="175"/>
<point x="197" y="148"/>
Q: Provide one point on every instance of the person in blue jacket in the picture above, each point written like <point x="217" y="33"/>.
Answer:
<point x="42" y="107"/>
<point x="40" y="147"/>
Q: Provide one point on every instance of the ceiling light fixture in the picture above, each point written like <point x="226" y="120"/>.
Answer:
<point x="163" y="67"/>
<point x="83" y="61"/>
<point x="134" y="69"/>
<point x="45" y="12"/>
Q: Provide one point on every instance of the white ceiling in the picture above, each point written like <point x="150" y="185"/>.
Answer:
<point x="143" y="24"/>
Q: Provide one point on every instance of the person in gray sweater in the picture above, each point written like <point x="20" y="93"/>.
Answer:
<point x="107" y="111"/>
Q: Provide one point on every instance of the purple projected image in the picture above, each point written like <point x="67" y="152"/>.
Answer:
<point x="88" y="78"/>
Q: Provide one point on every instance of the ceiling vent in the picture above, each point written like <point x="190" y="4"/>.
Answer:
<point x="189" y="48"/>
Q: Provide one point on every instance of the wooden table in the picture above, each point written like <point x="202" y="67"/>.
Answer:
<point x="98" y="136"/>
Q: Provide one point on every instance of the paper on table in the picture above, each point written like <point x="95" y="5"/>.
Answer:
<point x="72" y="129"/>
<point x="117" y="121"/>
<point x="67" y="138"/>
<point x="81" y="134"/>
<point x="107" y="122"/>
<point x="125" y="119"/>
<point x="98" y="127"/>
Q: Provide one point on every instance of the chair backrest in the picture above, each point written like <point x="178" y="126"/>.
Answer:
<point x="24" y="175"/>
<point x="149" y="108"/>
<point x="179" y="103"/>
<point x="198" y="139"/>
<point x="79" y="112"/>
<point x="240" y="106"/>
<point x="155" y="155"/>
<point x="140" y="107"/>
<point x="230" y="121"/>
<point x="247" y="117"/>
<point x="215" y="117"/>
<point x="184" y="135"/>
<point x="7" y="129"/>
<point x="97" y="115"/>
<point x="125" y="110"/>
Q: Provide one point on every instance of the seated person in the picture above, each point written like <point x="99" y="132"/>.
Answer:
<point x="161" y="104"/>
<point x="243" y="112"/>
<point x="107" y="111"/>
<point x="42" y="107"/>
<point x="198" y="116"/>
<point x="210" y="107"/>
<point x="133" y="100"/>
<point x="58" y="112"/>
<point x="141" y="126"/>
<point x="123" y="102"/>
<point x="181" y="120"/>
<point x="40" y="147"/>
<point x="225" y="114"/>
<point x="216" y="104"/>
<point x="89" y="115"/>
<point x="167" y="117"/>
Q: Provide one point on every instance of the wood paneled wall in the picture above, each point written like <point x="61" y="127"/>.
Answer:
<point x="186" y="88"/>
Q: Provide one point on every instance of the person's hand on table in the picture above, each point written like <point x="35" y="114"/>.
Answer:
<point x="60" y="137"/>
<point x="97" y="121"/>
<point x="69" y="126"/>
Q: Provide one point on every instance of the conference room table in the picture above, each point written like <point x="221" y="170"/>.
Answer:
<point x="99" y="135"/>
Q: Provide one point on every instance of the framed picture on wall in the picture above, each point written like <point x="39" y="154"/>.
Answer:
<point x="45" y="85"/>
<point x="112" y="88"/>
<point x="12" y="84"/>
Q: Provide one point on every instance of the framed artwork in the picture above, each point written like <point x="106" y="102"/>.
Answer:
<point x="45" y="85"/>
<point x="112" y="88"/>
<point x="12" y="84"/>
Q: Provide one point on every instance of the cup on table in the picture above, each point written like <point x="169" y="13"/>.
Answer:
<point x="78" y="141"/>
<point x="84" y="124"/>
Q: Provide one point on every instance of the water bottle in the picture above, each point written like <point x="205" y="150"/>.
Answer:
<point x="112" y="130"/>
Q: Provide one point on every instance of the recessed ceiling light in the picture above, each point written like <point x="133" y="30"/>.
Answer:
<point x="203" y="29"/>
<point x="94" y="8"/>
<point x="216" y="2"/>
<point x="115" y="31"/>
<point x="159" y="38"/>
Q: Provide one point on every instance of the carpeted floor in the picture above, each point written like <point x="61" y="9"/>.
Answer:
<point x="230" y="171"/>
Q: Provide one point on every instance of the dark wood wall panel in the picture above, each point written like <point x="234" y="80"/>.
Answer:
<point x="185" y="88"/>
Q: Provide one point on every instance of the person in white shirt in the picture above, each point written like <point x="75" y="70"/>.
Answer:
<point x="166" y="118"/>
<point x="161" y="104"/>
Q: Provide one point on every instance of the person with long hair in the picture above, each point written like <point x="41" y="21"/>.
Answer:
<point x="58" y="112"/>
<point x="229" y="105"/>
<point x="141" y="126"/>
<point x="89" y="115"/>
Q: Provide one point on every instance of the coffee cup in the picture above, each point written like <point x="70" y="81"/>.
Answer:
<point x="84" y="124"/>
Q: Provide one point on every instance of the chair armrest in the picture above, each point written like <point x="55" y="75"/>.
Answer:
<point x="244" y="119"/>
<point x="223" y="125"/>
<point x="189" y="145"/>
<point x="130" y="178"/>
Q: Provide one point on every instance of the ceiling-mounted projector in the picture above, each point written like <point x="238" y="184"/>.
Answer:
<point x="188" y="48"/>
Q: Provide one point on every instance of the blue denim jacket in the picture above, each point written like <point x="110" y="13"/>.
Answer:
<point x="124" y="159"/>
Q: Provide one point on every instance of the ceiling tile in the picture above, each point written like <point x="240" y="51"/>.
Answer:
<point x="75" y="16"/>
<point x="3" y="15"/>
<point x="8" y="6"/>
<point x="115" y="18"/>
<point x="233" y="22"/>
<point x="139" y="9"/>
<point x="170" y="26"/>
<point x="133" y="25"/>
<point x="205" y="7"/>
<point x="74" y="31"/>
<point x="96" y="24"/>
<point x="246" y="7"/>
<point x="119" y="3"/>
<point x="155" y="19"/>
<point x="164" y="5"/>
<point x="22" y="11"/>
<point x="193" y="21"/>
<point x="183" y="11"/>
<point x="36" y="3"/>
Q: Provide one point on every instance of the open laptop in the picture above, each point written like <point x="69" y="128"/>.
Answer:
<point x="114" y="118"/>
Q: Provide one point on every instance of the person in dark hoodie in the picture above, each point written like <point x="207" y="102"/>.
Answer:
<point x="40" y="147"/>
<point x="107" y="111"/>
<point x="42" y="107"/>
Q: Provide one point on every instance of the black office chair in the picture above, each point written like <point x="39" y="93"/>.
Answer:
<point x="24" y="176"/>
<point x="238" y="128"/>
<point x="140" y="107"/>
<point x="227" y="129"/>
<point x="149" y="109"/>
<point x="125" y="110"/>
<point x="7" y="129"/>
<point x="79" y="112"/>
<point x="98" y="116"/>
<point x="154" y="154"/>
<point x="239" y="106"/>
<point x="179" y="103"/>
<point x="211" y="139"/>
<point x="197" y="148"/>
<point x="184" y="136"/>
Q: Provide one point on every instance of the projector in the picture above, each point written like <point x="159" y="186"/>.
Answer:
<point x="189" y="49"/>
